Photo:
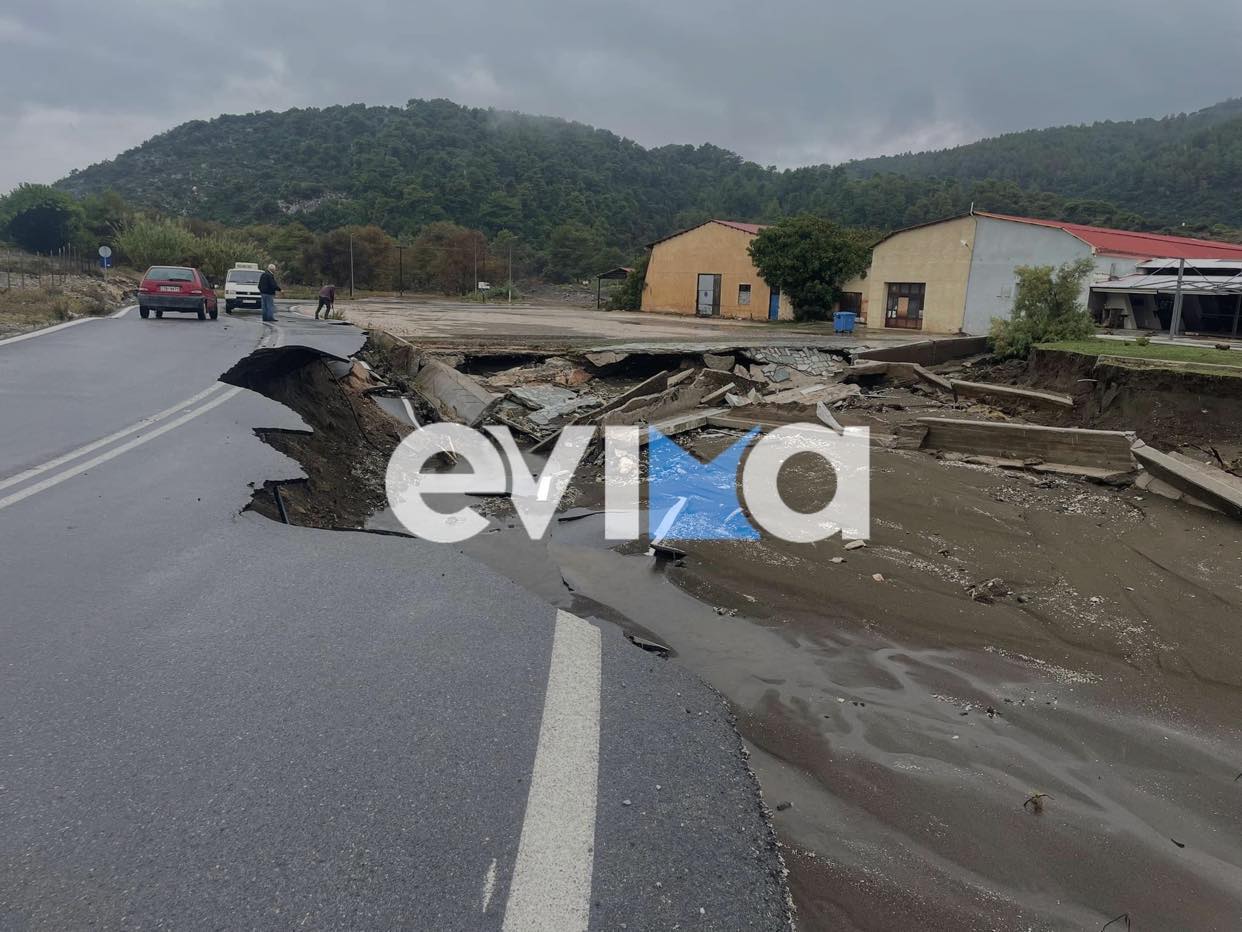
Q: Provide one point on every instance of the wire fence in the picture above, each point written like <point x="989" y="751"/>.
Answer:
<point x="43" y="270"/>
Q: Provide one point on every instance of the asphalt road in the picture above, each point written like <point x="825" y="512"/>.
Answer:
<point x="212" y="721"/>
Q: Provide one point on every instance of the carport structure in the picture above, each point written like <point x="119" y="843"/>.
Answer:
<point x="621" y="272"/>
<point x="1210" y="293"/>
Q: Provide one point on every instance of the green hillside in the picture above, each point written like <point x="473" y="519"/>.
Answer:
<point x="1179" y="169"/>
<point x="548" y="180"/>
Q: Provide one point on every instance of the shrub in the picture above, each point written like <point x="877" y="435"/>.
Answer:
<point x="1047" y="309"/>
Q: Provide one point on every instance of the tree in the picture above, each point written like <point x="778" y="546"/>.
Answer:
<point x="629" y="295"/>
<point x="1048" y="308"/>
<point x="809" y="258"/>
<point x="39" y="218"/>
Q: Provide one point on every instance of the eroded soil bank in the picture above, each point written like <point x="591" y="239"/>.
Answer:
<point x="1016" y="708"/>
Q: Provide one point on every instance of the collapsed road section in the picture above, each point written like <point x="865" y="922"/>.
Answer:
<point x="1038" y="614"/>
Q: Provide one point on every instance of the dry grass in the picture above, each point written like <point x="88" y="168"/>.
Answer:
<point x="24" y="309"/>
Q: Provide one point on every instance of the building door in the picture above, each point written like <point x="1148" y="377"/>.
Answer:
<point x="774" y="304"/>
<point x="904" y="307"/>
<point x="708" y="301"/>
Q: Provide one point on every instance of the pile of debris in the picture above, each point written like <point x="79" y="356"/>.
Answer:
<point x="683" y="388"/>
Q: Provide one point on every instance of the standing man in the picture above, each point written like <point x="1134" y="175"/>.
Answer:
<point x="268" y="287"/>
<point x="327" y="297"/>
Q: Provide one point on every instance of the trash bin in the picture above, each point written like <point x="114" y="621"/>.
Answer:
<point x="843" y="321"/>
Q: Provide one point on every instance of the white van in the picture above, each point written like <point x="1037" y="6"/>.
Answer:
<point x="241" y="286"/>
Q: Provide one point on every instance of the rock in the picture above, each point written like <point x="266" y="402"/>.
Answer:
<point x="779" y="374"/>
<point x="837" y="560"/>
<point x="989" y="591"/>
<point x="574" y="377"/>
<point x="719" y="363"/>
<point x="757" y="374"/>
<point x="856" y="545"/>
<point x="878" y="577"/>
<point x="736" y="401"/>
<point x="781" y="807"/>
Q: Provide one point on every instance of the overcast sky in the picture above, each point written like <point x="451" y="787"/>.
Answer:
<point x="785" y="82"/>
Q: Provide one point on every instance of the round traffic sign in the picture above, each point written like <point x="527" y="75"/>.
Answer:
<point x="105" y="252"/>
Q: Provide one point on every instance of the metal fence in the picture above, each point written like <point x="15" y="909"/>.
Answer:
<point x="44" y="270"/>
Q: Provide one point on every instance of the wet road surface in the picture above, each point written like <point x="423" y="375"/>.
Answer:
<point x="209" y="720"/>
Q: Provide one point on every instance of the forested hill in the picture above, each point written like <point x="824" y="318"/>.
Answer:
<point x="544" y="178"/>
<point x="1185" y="168"/>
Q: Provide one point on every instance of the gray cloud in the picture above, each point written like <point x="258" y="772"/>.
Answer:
<point x="786" y="82"/>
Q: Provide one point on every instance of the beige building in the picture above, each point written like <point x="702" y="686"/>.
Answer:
<point x="956" y="275"/>
<point x="707" y="271"/>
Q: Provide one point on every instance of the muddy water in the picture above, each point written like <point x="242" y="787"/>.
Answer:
<point x="905" y="724"/>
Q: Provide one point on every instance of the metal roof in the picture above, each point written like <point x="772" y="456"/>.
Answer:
<point x="1146" y="283"/>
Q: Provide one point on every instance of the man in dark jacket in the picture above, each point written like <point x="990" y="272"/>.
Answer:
<point x="327" y="297"/>
<point x="268" y="287"/>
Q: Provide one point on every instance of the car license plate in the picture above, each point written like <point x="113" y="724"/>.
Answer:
<point x="169" y="288"/>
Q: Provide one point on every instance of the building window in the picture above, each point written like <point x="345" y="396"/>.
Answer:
<point x="743" y="295"/>
<point x="904" y="307"/>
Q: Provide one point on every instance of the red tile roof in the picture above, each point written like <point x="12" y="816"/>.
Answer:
<point x="1132" y="244"/>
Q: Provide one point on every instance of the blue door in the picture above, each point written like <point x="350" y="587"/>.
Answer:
<point x="774" y="304"/>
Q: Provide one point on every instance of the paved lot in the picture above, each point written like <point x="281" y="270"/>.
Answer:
<point x="456" y="323"/>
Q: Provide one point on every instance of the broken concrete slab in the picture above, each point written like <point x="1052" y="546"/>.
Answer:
<point x="678" y="377"/>
<point x="825" y="416"/>
<point x="541" y="396"/>
<point x="1205" y="483"/>
<point x="1099" y="451"/>
<point x="1011" y="392"/>
<point x="929" y="352"/>
<point x="736" y="401"/>
<point x="454" y="395"/>
<point x="718" y="362"/>
<point x="718" y="393"/>
<point x="605" y="358"/>
<point x="545" y="416"/>
<point x="670" y="427"/>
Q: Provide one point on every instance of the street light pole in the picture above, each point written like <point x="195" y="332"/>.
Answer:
<point x="351" y="265"/>
<point x="510" y="273"/>
<point x="400" y="270"/>
<point x="1176" y="323"/>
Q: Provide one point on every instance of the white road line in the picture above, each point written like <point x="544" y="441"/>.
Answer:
<point x="111" y="438"/>
<point x="115" y="451"/>
<point x="551" y="885"/>
<point x="46" y="330"/>
<point x="42" y="331"/>
<point x="489" y="885"/>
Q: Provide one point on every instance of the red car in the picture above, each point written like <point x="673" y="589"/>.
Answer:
<point x="176" y="288"/>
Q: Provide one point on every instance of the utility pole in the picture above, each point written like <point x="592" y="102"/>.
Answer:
<point x="351" y="265"/>
<point x="511" y="275"/>
<point x="1176" y="323"/>
<point x="400" y="269"/>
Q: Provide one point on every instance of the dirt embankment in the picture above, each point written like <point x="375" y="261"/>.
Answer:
<point x="1166" y="408"/>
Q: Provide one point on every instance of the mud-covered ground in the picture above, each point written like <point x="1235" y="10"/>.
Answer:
<point x="1019" y="707"/>
<point x="901" y="726"/>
